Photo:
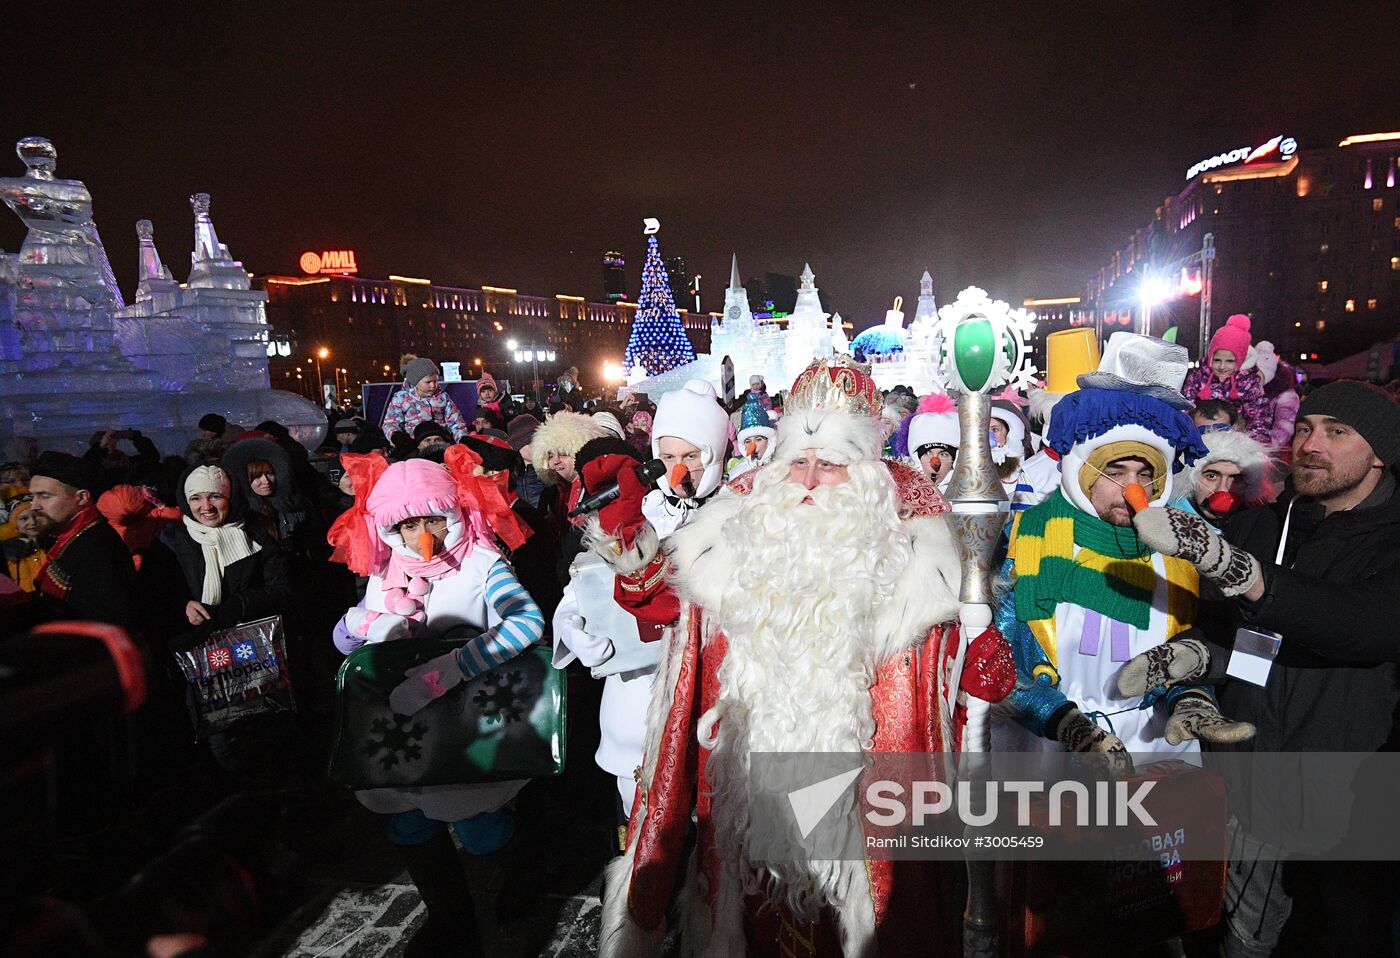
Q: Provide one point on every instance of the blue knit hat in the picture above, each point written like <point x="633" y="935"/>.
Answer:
<point x="1091" y="412"/>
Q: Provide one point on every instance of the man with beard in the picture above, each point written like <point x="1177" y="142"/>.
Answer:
<point x="808" y="598"/>
<point x="1089" y="593"/>
<point x="1321" y="569"/>
<point x="88" y="573"/>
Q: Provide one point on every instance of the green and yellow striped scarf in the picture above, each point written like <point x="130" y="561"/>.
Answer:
<point x="1112" y="574"/>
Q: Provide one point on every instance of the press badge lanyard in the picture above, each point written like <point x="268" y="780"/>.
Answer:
<point x="1255" y="649"/>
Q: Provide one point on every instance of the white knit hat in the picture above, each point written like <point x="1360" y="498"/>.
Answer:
<point x="206" y="479"/>
<point x="694" y="414"/>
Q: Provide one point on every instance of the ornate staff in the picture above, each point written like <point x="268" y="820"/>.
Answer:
<point x="980" y="346"/>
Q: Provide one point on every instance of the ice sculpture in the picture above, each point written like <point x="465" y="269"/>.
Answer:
<point x="74" y="359"/>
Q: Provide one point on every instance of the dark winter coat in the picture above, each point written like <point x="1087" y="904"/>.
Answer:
<point x="287" y="514"/>
<point x="1336" y="602"/>
<point x="253" y="588"/>
<point x="102" y="580"/>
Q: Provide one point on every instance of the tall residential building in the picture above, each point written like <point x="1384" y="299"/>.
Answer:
<point x="614" y="277"/>
<point x="679" y="278"/>
<point x="1306" y="241"/>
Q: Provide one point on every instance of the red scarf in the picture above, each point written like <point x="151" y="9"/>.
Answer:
<point x="51" y="580"/>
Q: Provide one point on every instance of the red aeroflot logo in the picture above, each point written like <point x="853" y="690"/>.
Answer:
<point x="340" y="261"/>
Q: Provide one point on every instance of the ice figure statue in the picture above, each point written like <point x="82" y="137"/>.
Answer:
<point x="74" y="359"/>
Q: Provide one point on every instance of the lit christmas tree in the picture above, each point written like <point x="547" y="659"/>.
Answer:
<point x="658" y="342"/>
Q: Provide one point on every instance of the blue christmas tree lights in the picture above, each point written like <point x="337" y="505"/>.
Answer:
<point x="658" y="342"/>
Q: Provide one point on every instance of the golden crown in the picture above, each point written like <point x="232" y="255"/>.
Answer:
<point x="838" y="384"/>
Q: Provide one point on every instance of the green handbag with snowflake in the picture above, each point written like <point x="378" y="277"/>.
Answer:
<point x="507" y="723"/>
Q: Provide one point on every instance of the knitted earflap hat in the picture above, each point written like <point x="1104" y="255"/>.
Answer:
<point x="1233" y="337"/>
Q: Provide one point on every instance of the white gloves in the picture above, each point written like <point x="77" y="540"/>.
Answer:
<point x="592" y="650"/>
<point x="378" y="626"/>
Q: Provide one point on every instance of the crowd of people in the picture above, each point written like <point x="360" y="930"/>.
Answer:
<point x="777" y="573"/>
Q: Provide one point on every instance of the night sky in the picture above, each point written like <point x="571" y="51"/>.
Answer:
<point x="1012" y="146"/>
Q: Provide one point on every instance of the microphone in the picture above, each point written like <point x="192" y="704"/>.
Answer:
<point x="647" y="474"/>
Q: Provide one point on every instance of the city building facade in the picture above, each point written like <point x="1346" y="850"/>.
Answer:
<point x="1306" y="242"/>
<point x="345" y="330"/>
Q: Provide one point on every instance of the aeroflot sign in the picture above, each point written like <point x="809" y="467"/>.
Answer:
<point x="1276" y="150"/>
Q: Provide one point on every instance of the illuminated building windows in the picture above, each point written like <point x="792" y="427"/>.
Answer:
<point x="1322" y="286"/>
<point x="1320" y="324"/>
<point x="1377" y="205"/>
<point x="1371" y="303"/>
<point x="1350" y="306"/>
<point x="1395" y="262"/>
<point x="1323" y="248"/>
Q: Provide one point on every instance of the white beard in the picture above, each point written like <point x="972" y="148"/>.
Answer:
<point x="800" y="608"/>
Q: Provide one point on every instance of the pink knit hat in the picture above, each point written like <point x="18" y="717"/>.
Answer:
<point x="487" y="380"/>
<point x="1233" y="337"/>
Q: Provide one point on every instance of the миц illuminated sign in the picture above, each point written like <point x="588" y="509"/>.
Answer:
<point x="338" y="261"/>
<point x="1275" y="150"/>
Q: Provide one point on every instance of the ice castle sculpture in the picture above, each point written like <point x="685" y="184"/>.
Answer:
<point x="76" y="359"/>
<point x="896" y="354"/>
<point x="766" y="349"/>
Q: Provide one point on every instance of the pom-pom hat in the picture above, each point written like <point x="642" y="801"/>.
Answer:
<point x="1233" y="337"/>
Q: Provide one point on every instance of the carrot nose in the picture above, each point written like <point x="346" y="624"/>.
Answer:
<point x="427" y="545"/>
<point x="1136" y="496"/>
<point x="679" y="474"/>
<point x="749" y="447"/>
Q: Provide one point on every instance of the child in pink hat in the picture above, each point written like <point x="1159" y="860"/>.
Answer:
<point x="426" y="535"/>
<point x="1223" y="376"/>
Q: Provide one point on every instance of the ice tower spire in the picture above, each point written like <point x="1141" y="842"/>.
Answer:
<point x="211" y="266"/>
<point x="152" y="276"/>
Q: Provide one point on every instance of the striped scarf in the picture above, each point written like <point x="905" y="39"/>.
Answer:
<point x="1112" y="574"/>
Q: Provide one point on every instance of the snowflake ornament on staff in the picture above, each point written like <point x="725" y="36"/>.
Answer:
<point x="981" y="344"/>
<point x="980" y="347"/>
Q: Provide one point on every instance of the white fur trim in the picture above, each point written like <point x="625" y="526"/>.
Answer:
<point x="926" y="593"/>
<point x="619" y="936"/>
<point x="625" y="561"/>
<point x="564" y="432"/>
<point x="1253" y="458"/>
<point x="838" y="436"/>
<point x="701" y="552"/>
<point x="1074" y="460"/>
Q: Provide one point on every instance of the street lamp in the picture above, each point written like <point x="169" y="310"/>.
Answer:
<point x="322" y="353"/>
<point x="532" y="355"/>
<point x="1153" y="291"/>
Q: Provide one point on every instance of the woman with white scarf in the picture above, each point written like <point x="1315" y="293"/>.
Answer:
<point x="234" y="573"/>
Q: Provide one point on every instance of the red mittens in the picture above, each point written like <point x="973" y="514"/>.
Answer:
<point x="623" y="516"/>
<point x="989" y="671"/>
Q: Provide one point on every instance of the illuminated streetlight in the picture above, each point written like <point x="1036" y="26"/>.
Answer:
<point x="512" y="345"/>
<point x="1153" y="291"/>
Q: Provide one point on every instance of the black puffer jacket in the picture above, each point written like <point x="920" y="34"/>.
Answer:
<point x="1336" y="601"/>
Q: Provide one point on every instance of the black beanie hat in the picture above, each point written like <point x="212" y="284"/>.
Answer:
<point x="213" y="422"/>
<point x="1368" y="409"/>
<point x="69" y="470"/>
